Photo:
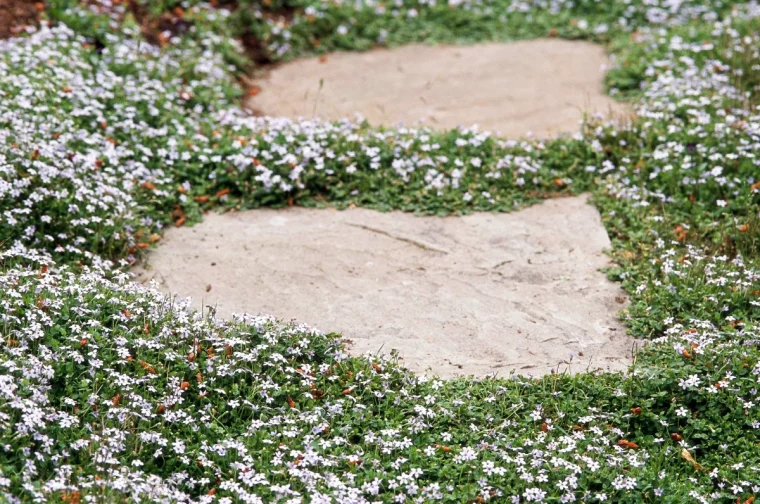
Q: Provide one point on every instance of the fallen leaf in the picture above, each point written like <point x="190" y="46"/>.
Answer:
<point x="627" y="254"/>
<point x="687" y="456"/>
<point x="627" y="444"/>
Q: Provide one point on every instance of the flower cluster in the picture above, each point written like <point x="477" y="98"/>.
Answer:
<point x="323" y="26"/>
<point x="113" y="391"/>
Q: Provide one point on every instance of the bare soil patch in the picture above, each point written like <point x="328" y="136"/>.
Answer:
<point x="15" y="14"/>
<point x="480" y="294"/>
<point x="541" y="86"/>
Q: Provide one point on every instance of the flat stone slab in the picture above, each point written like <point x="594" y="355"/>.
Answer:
<point x="541" y="86"/>
<point x="480" y="294"/>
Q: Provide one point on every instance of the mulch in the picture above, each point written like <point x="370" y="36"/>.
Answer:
<point x="15" y="14"/>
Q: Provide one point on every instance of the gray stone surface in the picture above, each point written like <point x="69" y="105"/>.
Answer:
<point x="480" y="294"/>
<point x="541" y="86"/>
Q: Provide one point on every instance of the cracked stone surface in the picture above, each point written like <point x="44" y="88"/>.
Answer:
<point x="541" y="86"/>
<point x="480" y="294"/>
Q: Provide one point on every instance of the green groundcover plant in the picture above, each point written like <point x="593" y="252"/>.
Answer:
<point x="113" y="392"/>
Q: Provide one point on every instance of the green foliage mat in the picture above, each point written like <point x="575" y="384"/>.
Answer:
<point x="113" y="392"/>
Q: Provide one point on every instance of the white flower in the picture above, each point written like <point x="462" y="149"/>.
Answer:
<point x="534" y="494"/>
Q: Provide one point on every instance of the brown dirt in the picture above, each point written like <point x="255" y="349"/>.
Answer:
<point x="541" y="86"/>
<point x="480" y="294"/>
<point x="15" y="14"/>
<point x="153" y="27"/>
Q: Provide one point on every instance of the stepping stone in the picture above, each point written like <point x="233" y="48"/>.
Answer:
<point x="479" y="294"/>
<point x="541" y="86"/>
